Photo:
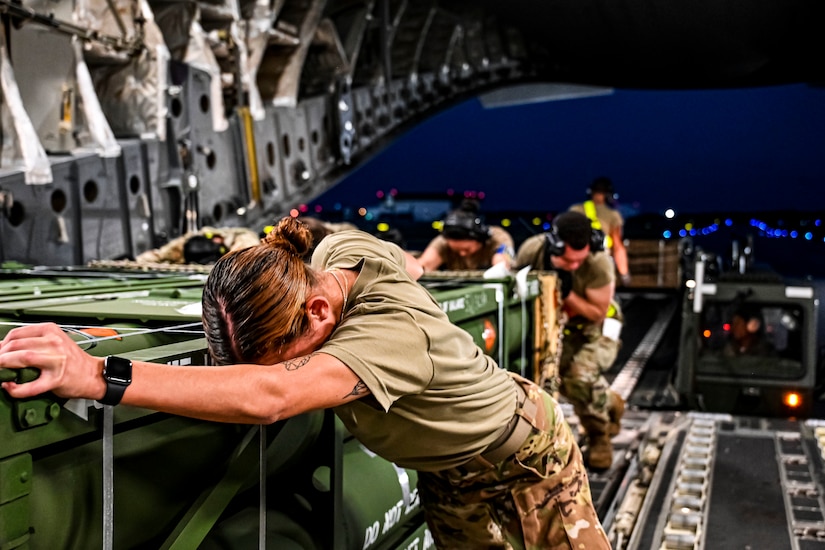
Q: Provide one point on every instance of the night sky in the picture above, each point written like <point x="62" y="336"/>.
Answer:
<point x="741" y="150"/>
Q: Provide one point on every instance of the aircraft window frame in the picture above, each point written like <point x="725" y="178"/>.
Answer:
<point x="776" y="352"/>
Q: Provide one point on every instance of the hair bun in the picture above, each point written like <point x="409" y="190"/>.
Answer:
<point x="473" y="206"/>
<point x="291" y="235"/>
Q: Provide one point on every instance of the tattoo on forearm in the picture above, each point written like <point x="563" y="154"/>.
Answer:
<point x="298" y="362"/>
<point x="359" y="389"/>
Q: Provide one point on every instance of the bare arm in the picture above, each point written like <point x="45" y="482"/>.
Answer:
<point x="430" y="259"/>
<point x="505" y="251"/>
<point x="619" y="251"/>
<point x="593" y="305"/>
<point x="413" y="266"/>
<point x="254" y="394"/>
<point x="505" y="258"/>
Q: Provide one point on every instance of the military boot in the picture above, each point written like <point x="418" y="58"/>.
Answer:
<point x="615" y="409"/>
<point x="600" y="451"/>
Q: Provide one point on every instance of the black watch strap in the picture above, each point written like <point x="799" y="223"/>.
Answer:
<point x="117" y="372"/>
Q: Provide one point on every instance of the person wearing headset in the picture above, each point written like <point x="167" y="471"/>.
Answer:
<point x="599" y="208"/>
<point x="467" y="243"/>
<point x="575" y="251"/>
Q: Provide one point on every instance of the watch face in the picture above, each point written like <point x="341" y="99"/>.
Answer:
<point x="117" y="370"/>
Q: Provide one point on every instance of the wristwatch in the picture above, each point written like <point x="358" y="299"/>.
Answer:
<point x="117" y="372"/>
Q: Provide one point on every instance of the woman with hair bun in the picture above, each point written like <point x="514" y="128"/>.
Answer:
<point x="353" y="331"/>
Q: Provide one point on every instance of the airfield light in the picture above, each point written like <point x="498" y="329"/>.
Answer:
<point x="792" y="399"/>
<point x="670" y="213"/>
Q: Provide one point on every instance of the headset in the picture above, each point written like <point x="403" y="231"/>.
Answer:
<point x="554" y="244"/>
<point x="461" y="224"/>
<point x="200" y="249"/>
<point x="602" y="185"/>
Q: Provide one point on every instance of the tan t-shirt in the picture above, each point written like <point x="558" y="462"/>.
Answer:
<point x="609" y="218"/>
<point x="481" y="259"/>
<point x="595" y="271"/>
<point x="437" y="400"/>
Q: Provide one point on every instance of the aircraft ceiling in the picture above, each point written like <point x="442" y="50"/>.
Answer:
<point x="672" y="44"/>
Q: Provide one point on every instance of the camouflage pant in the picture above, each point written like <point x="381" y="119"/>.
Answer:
<point x="585" y="355"/>
<point x="537" y="498"/>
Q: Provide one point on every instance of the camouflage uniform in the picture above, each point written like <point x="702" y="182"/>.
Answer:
<point x="537" y="498"/>
<point x="585" y="355"/>
<point x="172" y="252"/>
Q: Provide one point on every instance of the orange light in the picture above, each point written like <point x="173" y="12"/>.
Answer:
<point x="101" y="332"/>
<point x="489" y="335"/>
<point x="792" y="399"/>
<point x="706" y="333"/>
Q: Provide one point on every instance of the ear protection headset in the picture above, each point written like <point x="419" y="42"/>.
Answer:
<point x="464" y="225"/>
<point x="554" y="244"/>
<point x="200" y="249"/>
<point x="602" y="185"/>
